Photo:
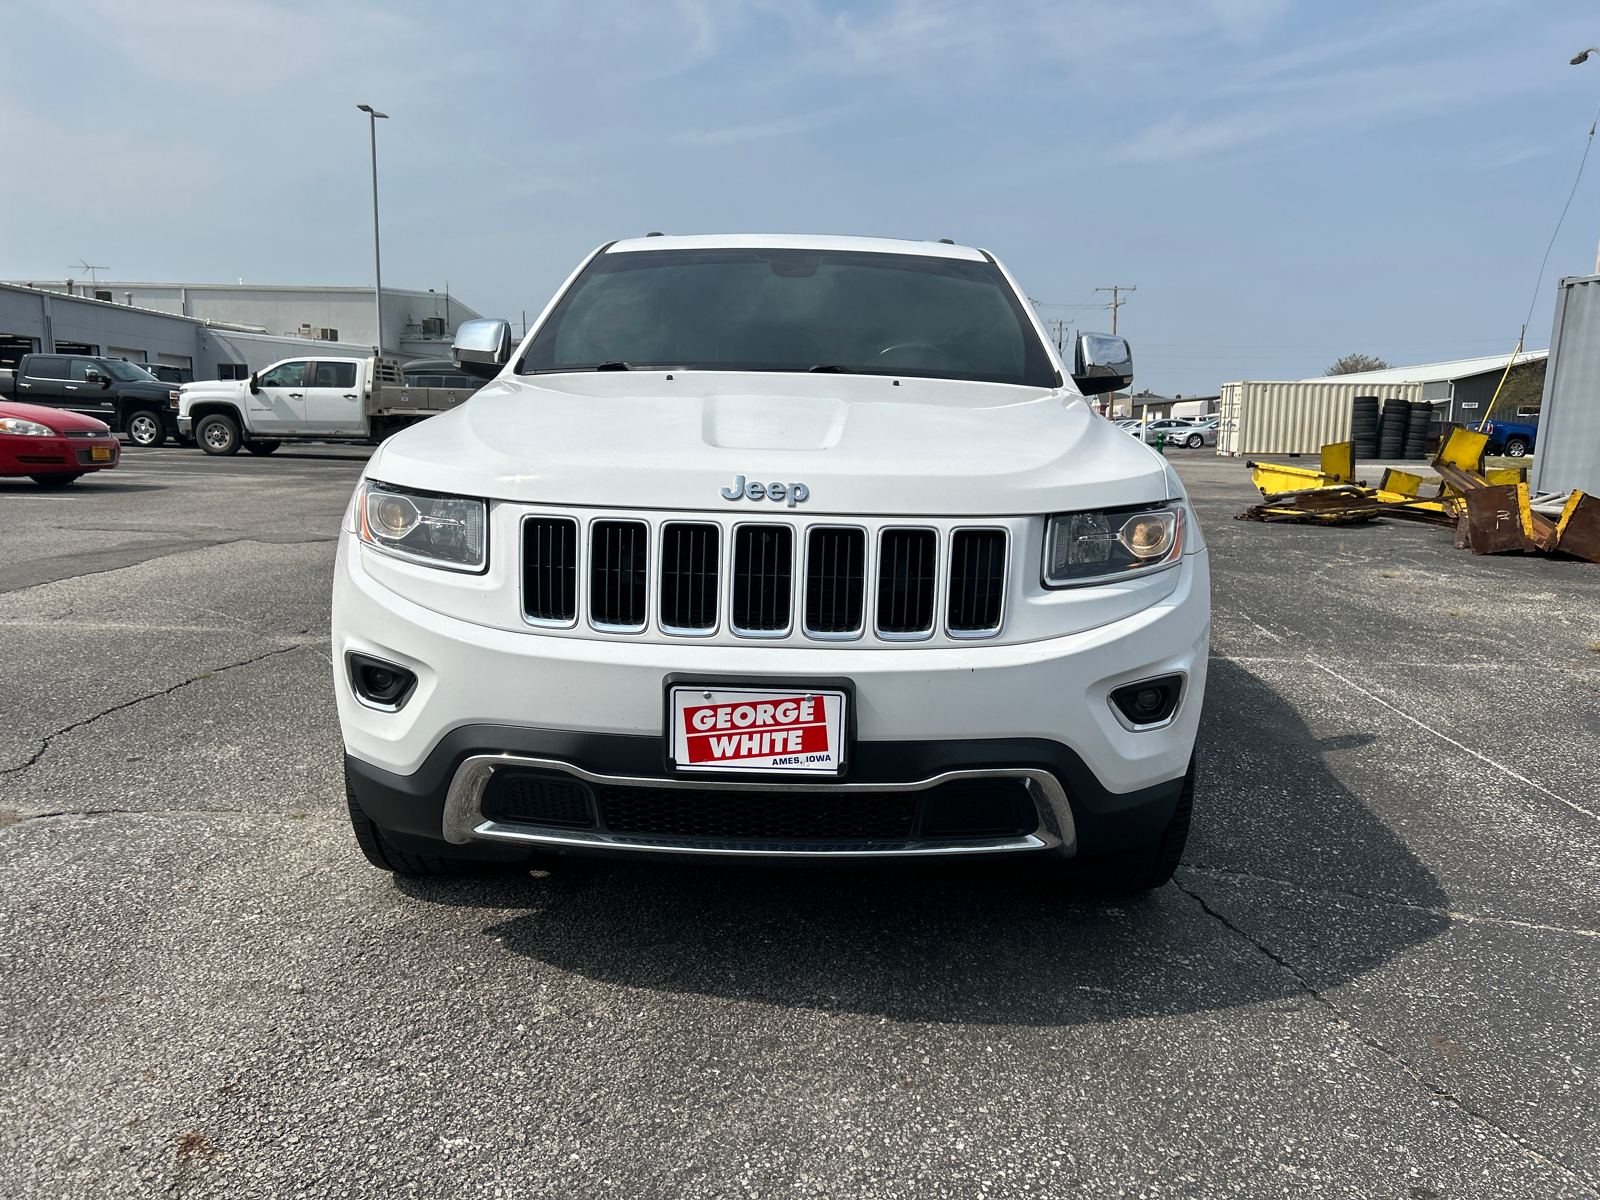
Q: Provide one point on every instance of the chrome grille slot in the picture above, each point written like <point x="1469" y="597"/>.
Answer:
<point x="907" y="562"/>
<point x="618" y="590"/>
<point x="550" y="570"/>
<point x="835" y="581"/>
<point x="690" y="561"/>
<point x="977" y="582"/>
<point x="763" y="579"/>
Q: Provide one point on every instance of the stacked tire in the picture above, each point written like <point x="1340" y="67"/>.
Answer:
<point x="1417" y="429"/>
<point x="1393" y="425"/>
<point x="1364" y="426"/>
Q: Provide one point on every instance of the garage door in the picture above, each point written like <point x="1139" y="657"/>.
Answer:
<point x="12" y="348"/>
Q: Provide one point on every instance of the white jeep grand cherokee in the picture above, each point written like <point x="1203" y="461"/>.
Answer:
<point x="774" y="547"/>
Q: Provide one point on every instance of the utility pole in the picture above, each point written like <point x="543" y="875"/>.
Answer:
<point x="1116" y="290"/>
<point x="377" y="261"/>
<point x="1059" y="324"/>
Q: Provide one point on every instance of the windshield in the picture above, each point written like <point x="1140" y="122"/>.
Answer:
<point x="129" y="373"/>
<point x="792" y="310"/>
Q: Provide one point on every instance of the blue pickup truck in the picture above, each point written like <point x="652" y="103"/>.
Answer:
<point x="1514" y="439"/>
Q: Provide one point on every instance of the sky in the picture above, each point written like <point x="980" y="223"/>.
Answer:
<point x="1282" y="182"/>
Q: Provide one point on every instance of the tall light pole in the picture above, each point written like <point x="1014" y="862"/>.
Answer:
<point x="1583" y="57"/>
<point x="377" y="259"/>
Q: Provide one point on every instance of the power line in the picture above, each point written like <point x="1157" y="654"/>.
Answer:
<point x="1586" y="145"/>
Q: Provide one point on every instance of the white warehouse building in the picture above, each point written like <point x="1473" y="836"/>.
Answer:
<point x="416" y="324"/>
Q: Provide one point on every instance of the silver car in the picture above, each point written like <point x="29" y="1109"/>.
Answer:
<point x="1179" y="431"/>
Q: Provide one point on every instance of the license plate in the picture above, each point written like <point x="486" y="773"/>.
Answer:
<point x="100" y="453"/>
<point x="780" y="732"/>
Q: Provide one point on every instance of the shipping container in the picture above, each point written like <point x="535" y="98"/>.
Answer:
<point x="1567" y="454"/>
<point x="1294" y="417"/>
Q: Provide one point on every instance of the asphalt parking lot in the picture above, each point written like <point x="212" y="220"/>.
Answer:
<point x="1375" y="975"/>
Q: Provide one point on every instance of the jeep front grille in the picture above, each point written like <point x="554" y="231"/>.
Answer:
<point x="907" y="560"/>
<point x="691" y="555"/>
<point x="780" y="579"/>
<point x="550" y="569"/>
<point x="835" y="581"/>
<point x="763" y="578"/>
<point x="618" y="563"/>
<point x="977" y="581"/>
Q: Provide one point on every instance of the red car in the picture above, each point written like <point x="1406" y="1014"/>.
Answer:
<point x="54" y="445"/>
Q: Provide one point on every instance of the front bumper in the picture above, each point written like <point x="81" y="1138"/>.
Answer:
<point x="56" y="455"/>
<point x="1036" y="712"/>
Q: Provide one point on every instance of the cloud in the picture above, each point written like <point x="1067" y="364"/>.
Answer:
<point x="781" y="128"/>
<point x="1411" y="66"/>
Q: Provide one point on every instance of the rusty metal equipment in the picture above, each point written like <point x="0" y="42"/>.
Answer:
<point x="1490" y="511"/>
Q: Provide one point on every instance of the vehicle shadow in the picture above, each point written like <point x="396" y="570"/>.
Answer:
<point x="86" y="489"/>
<point x="948" y="942"/>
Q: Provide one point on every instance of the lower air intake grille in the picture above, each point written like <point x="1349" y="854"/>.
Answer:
<point x="906" y="561"/>
<point x="778" y="816"/>
<point x="514" y="797"/>
<point x="690" y="554"/>
<point x="977" y="580"/>
<point x="763" y="575"/>
<point x="617" y="556"/>
<point x="550" y="569"/>
<point x="835" y="580"/>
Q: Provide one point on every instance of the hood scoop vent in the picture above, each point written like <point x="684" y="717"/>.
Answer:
<point x="772" y="422"/>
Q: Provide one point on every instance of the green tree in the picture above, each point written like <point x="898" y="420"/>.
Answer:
<point x="1352" y="364"/>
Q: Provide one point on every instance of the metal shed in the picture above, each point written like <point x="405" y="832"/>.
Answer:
<point x="1568" y="452"/>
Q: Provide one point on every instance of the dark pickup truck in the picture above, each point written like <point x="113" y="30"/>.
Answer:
<point x="122" y="394"/>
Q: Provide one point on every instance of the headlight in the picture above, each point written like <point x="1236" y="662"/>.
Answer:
<point x="26" y="428"/>
<point x="1095" y="547"/>
<point x="442" y="531"/>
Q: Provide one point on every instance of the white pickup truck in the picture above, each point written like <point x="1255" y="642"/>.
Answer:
<point x="308" y="399"/>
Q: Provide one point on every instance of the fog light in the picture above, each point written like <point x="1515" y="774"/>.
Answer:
<point x="380" y="684"/>
<point x="1149" y="702"/>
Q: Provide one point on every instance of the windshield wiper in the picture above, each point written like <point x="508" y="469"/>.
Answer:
<point x="615" y="364"/>
<point x="833" y="368"/>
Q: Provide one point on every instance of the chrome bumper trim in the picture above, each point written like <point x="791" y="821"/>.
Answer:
<point x="464" y="820"/>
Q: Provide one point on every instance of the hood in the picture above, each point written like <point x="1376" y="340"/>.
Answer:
<point x="209" y="389"/>
<point x="60" y="419"/>
<point x="859" y="444"/>
<point x="145" y="391"/>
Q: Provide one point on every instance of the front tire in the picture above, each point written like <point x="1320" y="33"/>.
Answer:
<point x="1517" y="447"/>
<point x="1195" y="441"/>
<point x="145" y="429"/>
<point x="260" y="447"/>
<point x="218" y="434"/>
<point x="61" y="480"/>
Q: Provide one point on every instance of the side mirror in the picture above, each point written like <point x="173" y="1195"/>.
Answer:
<point x="1102" y="363"/>
<point x="255" y="387"/>
<point x="482" y="347"/>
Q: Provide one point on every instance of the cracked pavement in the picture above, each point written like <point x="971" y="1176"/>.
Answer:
<point x="1375" y="974"/>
